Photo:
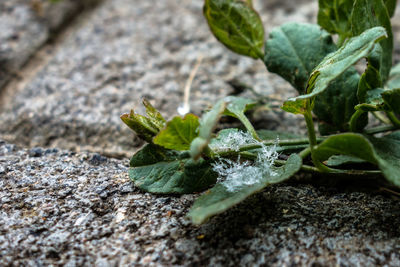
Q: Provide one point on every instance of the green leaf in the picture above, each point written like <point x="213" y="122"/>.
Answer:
<point x="236" y="25"/>
<point x="391" y="6"/>
<point x="335" y="64"/>
<point x="236" y="107"/>
<point x="295" y="106"/>
<point x="207" y="125"/>
<point x="219" y="199"/>
<point x="368" y="14"/>
<point x="394" y="78"/>
<point x="373" y="101"/>
<point x="334" y="16"/>
<point x="158" y="170"/>
<point x="145" y="127"/>
<point x="178" y="133"/>
<point x="335" y="106"/>
<point x="383" y="152"/>
<point x="392" y="99"/>
<point x="370" y="80"/>
<point x="294" y="49"/>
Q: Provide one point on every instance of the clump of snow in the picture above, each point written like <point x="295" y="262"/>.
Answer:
<point x="236" y="174"/>
<point x="233" y="141"/>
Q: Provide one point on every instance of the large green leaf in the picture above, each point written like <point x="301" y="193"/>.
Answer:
<point x="219" y="198"/>
<point x="178" y="133"/>
<point x="236" y="107"/>
<point x="145" y="127"/>
<point x="368" y="14"/>
<point x="158" y="170"/>
<point x="207" y="125"/>
<point x="391" y="6"/>
<point x="335" y="64"/>
<point x="236" y="25"/>
<point x="383" y="152"/>
<point x="334" y="16"/>
<point x="294" y="49"/>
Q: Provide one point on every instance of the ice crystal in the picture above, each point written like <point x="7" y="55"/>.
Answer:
<point x="236" y="174"/>
<point x="233" y="141"/>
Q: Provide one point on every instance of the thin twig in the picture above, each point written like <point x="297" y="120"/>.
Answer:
<point x="186" y="106"/>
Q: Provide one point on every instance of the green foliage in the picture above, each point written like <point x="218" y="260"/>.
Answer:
<point x="236" y="107"/>
<point x="219" y="198"/>
<point x="333" y="65"/>
<point x="295" y="49"/>
<point x="236" y="25"/>
<point x="394" y="78"/>
<point x="145" y="127"/>
<point x="178" y="133"/>
<point x="207" y="125"/>
<point x="370" y="13"/>
<point x="383" y="152"/>
<point x="186" y="155"/>
<point x="334" y="16"/>
<point x="158" y="170"/>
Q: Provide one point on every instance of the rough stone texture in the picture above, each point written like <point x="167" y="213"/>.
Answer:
<point x="128" y="50"/>
<point x="64" y="208"/>
<point x="60" y="207"/>
<point x="25" y="25"/>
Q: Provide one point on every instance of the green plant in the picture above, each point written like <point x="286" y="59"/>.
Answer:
<point x="184" y="155"/>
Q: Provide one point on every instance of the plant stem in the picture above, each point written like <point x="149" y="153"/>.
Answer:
<point x="354" y="119"/>
<point x="305" y="152"/>
<point x="393" y="119"/>
<point x="380" y="117"/>
<point x="380" y="129"/>
<point x="288" y="143"/>
<point x="312" y="169"/>
<point x="249" y="127"/>
<point x="313" y="139"/>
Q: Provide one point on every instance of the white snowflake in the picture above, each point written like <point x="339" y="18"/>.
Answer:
<point x="236" y="174"/>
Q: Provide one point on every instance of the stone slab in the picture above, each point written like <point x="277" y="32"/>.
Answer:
<point x="132" y="49"/>
<point x="26" y="25"/>
<point x="79" y="209"/>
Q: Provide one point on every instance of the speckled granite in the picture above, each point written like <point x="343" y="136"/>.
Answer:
<point x="78" y="209"/>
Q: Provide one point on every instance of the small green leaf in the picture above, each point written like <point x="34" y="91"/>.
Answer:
<point x="394" y="78"/>
<point x="236" y="25"/>
<point x="383" y="152"/>
<point x="294" y="49"/>
<point x="236" y="107"/>
<point x="335" y="64"/>
<point x="178" y="133"/>
<point x="219" y="199"/>
<point x="158" y="170"/>
<point x="145" y="127"/>
<point x="370" y="80"/>
<point x="368" y="14"/>
<point x="334" y="16"/>
<point x="373" y="101"/>
<point x="392" y="99"/>
<point x="207" y="125"/>
<point x="295" y="106"/>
